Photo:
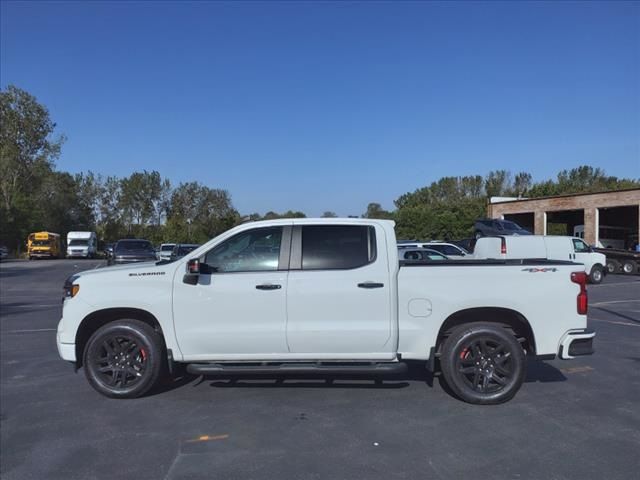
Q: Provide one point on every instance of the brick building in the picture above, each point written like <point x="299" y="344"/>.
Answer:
<point x="615" y="213"/>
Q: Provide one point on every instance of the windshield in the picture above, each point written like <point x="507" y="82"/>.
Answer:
<point x="511" y="226"/>
<point x="41" y="243"/>
<point x="134" y="245"/>
<point x="77" y="242"/>
<point x="166" y="248"/>
<point x="186" y="249"/>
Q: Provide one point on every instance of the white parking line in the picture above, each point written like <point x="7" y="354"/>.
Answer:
<point x="617" y="284"/>
<point x="612" y="302"/>
<point x="614" y="323"/>
<point x="48" y="305"/>
<point x="35" y="330"/>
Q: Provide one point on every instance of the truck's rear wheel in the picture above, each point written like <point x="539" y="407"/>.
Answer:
<point x="629" y="267"/>
<point x="483" y="363"/>
<point x="613" y="266"/>
<point x="123" y="359"/>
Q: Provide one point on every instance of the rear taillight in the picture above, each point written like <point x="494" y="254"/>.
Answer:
<point x="503" y="246"/>
<point x="581" y="279"/>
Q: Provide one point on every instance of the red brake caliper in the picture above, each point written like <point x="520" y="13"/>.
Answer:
<point x="464" y="353"/>
<point x="144" y="354"/>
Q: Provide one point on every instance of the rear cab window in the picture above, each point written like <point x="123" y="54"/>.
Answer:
<point x="337" y="247"/>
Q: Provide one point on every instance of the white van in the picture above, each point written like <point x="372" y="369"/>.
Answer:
<point x="82" y="244"/>
<point x="608" y="237"/>
<point x="550" y="247"/>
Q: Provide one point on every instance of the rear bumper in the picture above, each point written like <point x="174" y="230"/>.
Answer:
<point x="576" y="343"/>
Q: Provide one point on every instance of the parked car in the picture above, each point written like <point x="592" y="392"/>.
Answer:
<point x="164" y="253"/>
<point x="620" y="261"/>
<point x="181" y="249"/>
<point x="132" y="251"/>
<point x="420" y="254"/>
<point x="453" y="252"/>
<point x="4" y="252"/>
<point x="549" y="247"/>
<point x="488" y="227"/>
<point x="325" y="296"/>
<point x="467" y="244"/>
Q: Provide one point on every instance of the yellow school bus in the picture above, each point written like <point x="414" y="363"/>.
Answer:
<point x="44" y="245"/>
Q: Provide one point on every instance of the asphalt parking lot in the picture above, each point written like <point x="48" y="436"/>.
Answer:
<point x="571" y="420"/>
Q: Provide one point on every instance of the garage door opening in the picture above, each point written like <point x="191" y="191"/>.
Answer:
<point x="618" y="227"/>
<point x="525" y="220"/>
<point x="565" y="222"/>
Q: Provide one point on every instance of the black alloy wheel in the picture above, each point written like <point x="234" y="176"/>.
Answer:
<point x="120" y="361"/>
<point x="124" y="359"/>
<point x="483" y="363"/>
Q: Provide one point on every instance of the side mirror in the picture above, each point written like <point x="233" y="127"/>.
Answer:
<point x="193" y="272"/>
<point x="195" y="269"/>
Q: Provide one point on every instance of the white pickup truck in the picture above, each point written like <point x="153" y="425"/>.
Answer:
<point x="294" y="297"/>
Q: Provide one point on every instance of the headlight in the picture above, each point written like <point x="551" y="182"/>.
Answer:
<point x="70" y="288"/>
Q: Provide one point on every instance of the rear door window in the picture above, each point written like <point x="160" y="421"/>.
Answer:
<point x="337" y="247"/>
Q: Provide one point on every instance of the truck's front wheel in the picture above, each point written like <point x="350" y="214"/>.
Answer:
<point x="123" y="359"/>
<point x="483" y="363"/>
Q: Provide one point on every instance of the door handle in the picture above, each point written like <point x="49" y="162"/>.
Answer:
<point x="268" y="286"/>
<point x="370" y="285"/>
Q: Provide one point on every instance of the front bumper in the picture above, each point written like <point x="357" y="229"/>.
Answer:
<point x="576" y="343"/>
<point x="123" y="261"/>
<point x="79" y="254"/>
<point x="67" y="351"/>
<point x="41" y="254"/>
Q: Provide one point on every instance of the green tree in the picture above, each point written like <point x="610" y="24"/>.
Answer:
<point x="498" y="183"/>
<point x="27" y="154"/>
<point x="521" y="184"/>
<point x="375" y="210"/>
<point x="199" y="213"/>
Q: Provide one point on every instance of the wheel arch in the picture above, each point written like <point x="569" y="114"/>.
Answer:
<point x="497" y="315"/>
<point x="99" y="318"/>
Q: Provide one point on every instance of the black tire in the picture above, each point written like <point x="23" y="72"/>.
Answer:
<point x="629" y="267"/>
<point x="483" y="363"/>
<point x="124" y="359"/>
<point x="597" y="275"/>
<point x="613" y="266"/>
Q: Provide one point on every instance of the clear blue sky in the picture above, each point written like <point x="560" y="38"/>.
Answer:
<point x="329" y="106"/>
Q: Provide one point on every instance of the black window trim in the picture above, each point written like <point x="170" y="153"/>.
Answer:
<point x="283" y="258"/>
<point x="295" y="263"/>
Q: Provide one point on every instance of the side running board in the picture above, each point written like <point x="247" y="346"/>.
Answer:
<point x="322" y="368"/>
